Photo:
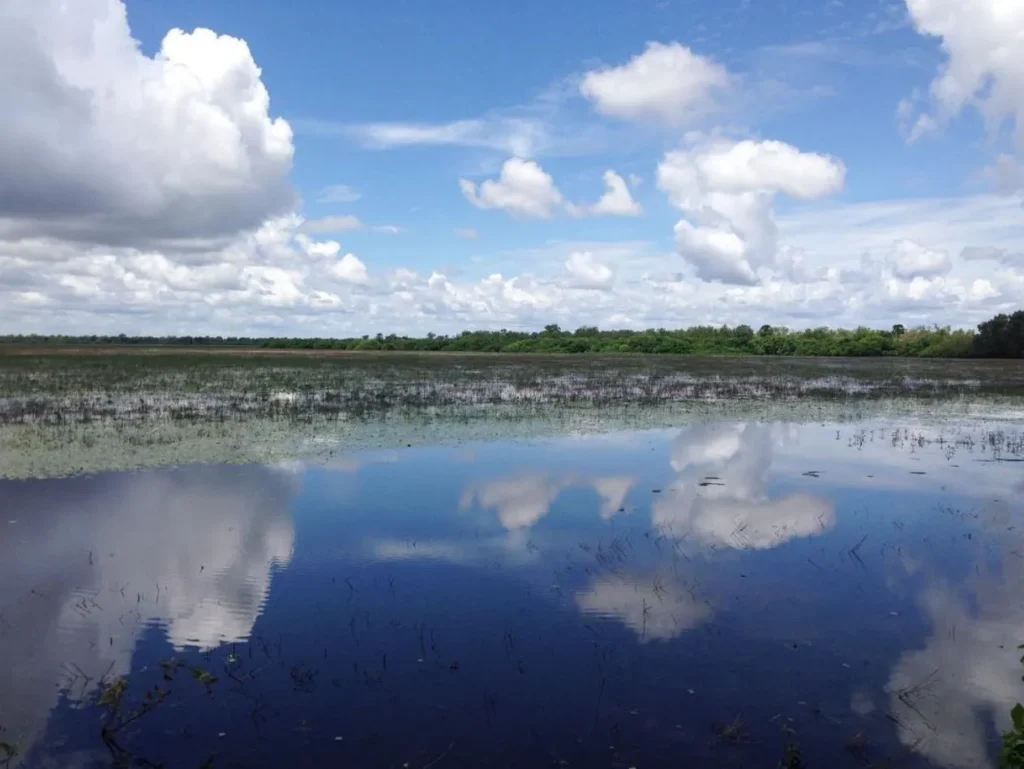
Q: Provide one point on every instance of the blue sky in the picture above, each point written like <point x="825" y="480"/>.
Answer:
<point x="795" y="163"/>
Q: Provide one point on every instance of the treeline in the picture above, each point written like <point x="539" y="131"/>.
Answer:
<point x="1001" y="337"/>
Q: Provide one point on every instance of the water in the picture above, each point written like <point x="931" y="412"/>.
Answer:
<point x="704" y="596"/>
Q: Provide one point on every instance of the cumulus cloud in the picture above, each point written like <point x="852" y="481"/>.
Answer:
<point x="981" y="40"/>
<point x="617" y="200"/>
<point x="106" y="145"/>
<point x="667" y="83"/>
<point x="523" y="188"/>
<point x="727" y="191"/>
<point x="349" y="269"/>
<point x="277" y="281"/>
<point x="588" y="273"/>
<point x="910" y="260"/>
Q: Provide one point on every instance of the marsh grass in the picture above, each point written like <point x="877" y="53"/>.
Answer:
<point x="64" y="413"/>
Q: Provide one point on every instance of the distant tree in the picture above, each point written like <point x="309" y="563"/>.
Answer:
<point x="1001" y="337"/>
<point x="743" y="334"/>
<point x="898" y="330"/>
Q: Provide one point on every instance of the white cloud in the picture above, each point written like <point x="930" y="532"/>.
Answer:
<point x="1006" y="173"/>
<point x="588" y="273"/>
<point x="667" y="83"/>
<point x="831" y="270"/>
<point x="340" y="223"/>
<point x="981" y="40"/>
<point x="519" y="136"/>
<point x="616" y="200"/>
<point x="349" y="269"/>
<point x="388" y="229"/>
<point x="106" y="145"/>
<point x="912" y="260"/>
<point x="466" y="233"/>
<point x="992" y="254"/>
<point x="727" y="191"/>
<point x="338" y="193"/>
<point x="982" y="289"/>
<point x="522" y="189"/>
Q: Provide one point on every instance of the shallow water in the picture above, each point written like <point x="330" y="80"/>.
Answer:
<point x="702" y="596"/>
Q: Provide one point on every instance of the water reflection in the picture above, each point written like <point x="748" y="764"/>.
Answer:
<point x="719" y="495"/>
<point x="522" y="501"/>
<point x="651" y="608"/>
<point x="90" y="563"/>
<point x="951" y="696"/>
<point x="537" y="602"/>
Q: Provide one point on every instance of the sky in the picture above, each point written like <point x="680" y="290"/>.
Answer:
<point x="341" y="169"/>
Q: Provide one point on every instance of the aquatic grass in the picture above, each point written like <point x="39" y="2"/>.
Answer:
<point x="62" y="414"/>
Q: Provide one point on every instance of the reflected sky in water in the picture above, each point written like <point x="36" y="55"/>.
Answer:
<point x="710" y="594"/>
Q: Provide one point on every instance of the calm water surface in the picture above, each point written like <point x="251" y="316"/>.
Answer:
<point x="697" y="597"/>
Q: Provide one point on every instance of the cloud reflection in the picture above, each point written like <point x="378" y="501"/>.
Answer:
<point x="718" y="498"/>
<point x="952" y="695"/>
<point x="653" y="610"/>
<point x="92" y="562"/>
<point x="522" y="501"/>
<point x="719" y="495"/>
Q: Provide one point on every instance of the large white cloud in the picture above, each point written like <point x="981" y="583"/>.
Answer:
<point x="727" y="191"/>
<point x="522" y="189"/>
<point x="103" y="144"/>
<point x="667" y="83"/>
<point x="912" y="260"/>
<point x="617" y="200"/>
<point x="982" y="41"/>
<point x="586" y="272"/>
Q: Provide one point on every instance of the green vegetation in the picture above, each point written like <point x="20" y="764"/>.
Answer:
<point x="1012" y="753"/>
<point x="1001" y="337"/>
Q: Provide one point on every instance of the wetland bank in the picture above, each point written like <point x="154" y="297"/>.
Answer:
<point x="272" y="559"/>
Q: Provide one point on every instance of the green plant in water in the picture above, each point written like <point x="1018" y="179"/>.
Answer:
<point x="8" y="752"/>
<point x="1012" y="754"/>
<point x="791" y="758"/>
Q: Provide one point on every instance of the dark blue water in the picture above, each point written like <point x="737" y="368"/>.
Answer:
<point x="713" y="596"/>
